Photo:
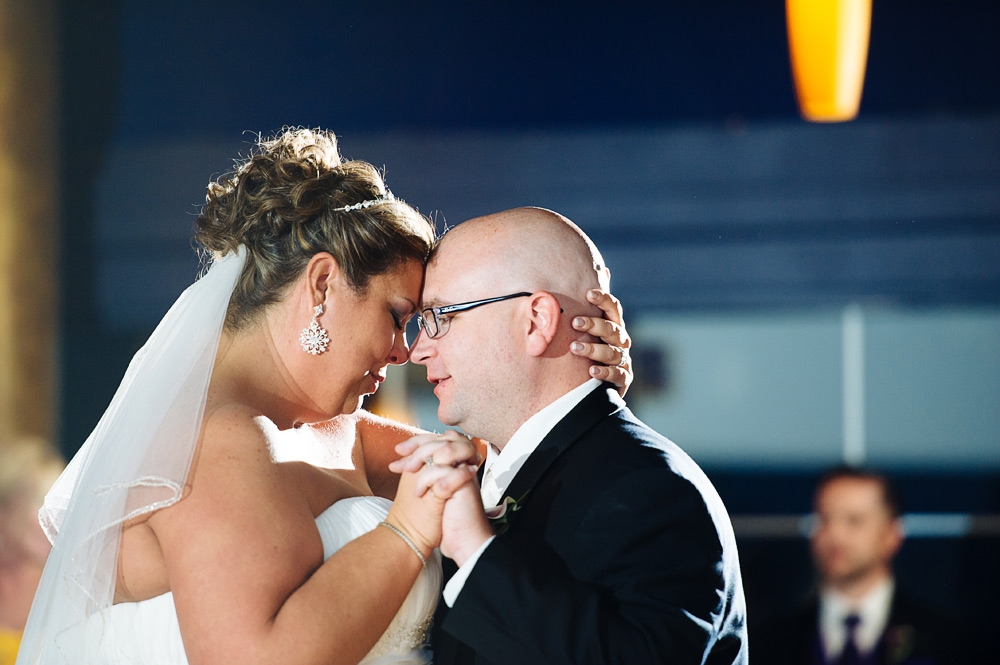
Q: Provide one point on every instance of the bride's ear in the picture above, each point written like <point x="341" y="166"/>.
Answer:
<point x="322" y="277"/>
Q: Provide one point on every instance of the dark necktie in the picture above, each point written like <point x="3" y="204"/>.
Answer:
<point x="850" y="655"/>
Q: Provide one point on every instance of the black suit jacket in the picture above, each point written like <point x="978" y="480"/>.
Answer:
<point x="621" y="552"/>
<point x="914" y="635"/>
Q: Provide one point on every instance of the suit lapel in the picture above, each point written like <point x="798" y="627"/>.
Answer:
<point x="596" y="406"/>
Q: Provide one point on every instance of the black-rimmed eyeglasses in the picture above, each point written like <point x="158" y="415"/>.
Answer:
<point x="434" y="321"/>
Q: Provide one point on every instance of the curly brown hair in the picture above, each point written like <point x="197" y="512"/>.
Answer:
<point x="284" y="203"/>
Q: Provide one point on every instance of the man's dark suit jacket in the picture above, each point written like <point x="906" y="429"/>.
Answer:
<point x="914" y="635"/>
<point x="621" y="552"/>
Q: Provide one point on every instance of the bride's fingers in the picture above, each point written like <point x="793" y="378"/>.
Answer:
<point x="609" y="331"/>
<point x="611" y="306"/>
<point x="605" y="354"/>
<point x="615" y="332"/>
<point x="619" y="376"/>
<point x="613" y="353"/>
<point x="459" y="477"/>
<point x="615" y="365"/>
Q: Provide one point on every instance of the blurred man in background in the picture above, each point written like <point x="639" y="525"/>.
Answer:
<point x="28" y="467"/>
<point x="860" y="615"/>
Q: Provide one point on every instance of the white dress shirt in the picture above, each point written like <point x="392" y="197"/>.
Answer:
<point x="501" y="466"/>
<point x="873" y="610"/>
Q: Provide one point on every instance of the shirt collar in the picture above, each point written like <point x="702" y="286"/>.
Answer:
<point x="505" y="464"/>
<point x="873" y="611"/>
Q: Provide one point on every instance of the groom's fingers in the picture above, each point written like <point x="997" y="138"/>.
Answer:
<point x="411" y="444"/>
<point x="442" y="481"/>
<point x="404" y="448"/>
<point x="408" y="446"/>
<point x="427" y="477"/>
<point x="417" y="457"/>
<point x="451" y="452"/>
<point x="448" y="449"/>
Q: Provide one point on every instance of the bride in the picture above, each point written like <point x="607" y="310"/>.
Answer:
<point x="190" y="527"/>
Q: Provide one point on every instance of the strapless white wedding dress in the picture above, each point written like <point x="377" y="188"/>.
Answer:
<point x="146" y="633"/>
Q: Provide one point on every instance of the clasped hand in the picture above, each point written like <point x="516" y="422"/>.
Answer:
<point x="440" y="469"/>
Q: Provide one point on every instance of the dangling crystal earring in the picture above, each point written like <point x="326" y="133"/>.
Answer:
<point x="315" y="339"/>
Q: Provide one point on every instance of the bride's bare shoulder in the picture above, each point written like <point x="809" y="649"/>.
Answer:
<point x="234" y="451"/>
<point x="230" y="475"/>
<point x="235" y="484"/>
<point x="235" y="426"/>
<point x="374" y="426"/>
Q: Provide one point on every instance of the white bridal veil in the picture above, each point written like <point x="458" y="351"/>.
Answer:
<point x="135" y="461"/>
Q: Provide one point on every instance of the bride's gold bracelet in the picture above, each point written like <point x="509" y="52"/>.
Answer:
<point x="406" y="539"/>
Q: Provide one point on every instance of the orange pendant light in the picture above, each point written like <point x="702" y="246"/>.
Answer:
<point x="828" y="43"/>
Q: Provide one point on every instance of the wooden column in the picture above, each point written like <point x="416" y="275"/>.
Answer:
<point x="29" y="244"/>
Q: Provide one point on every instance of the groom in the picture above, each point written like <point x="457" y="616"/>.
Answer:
<point x="613" y="547"/>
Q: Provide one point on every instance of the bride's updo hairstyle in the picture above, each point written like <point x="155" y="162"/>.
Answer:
<point x="285" y="204"/>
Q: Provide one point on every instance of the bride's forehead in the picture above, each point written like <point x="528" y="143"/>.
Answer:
<point x="404" y="275"/>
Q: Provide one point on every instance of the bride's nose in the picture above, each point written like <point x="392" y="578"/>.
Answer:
<point x="399" y="353"/>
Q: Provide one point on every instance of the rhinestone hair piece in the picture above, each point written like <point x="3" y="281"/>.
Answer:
<point x="366" y="204"/>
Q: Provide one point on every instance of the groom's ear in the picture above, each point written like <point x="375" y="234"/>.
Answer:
<point x="543" y="322"/>
<point x="322" y="274"/>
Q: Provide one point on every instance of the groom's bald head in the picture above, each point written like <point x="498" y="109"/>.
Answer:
<point x="500" y="363"/>
<point x="535" y="247"/>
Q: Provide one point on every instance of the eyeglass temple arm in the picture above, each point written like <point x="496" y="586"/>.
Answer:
<point x="461" y="307"/>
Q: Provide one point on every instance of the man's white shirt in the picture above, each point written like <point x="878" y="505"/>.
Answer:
<point x="500" y="467"/>
<point x="873" y="610"/>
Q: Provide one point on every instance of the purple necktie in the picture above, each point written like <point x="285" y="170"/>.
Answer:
<point x="850" y="655"/>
